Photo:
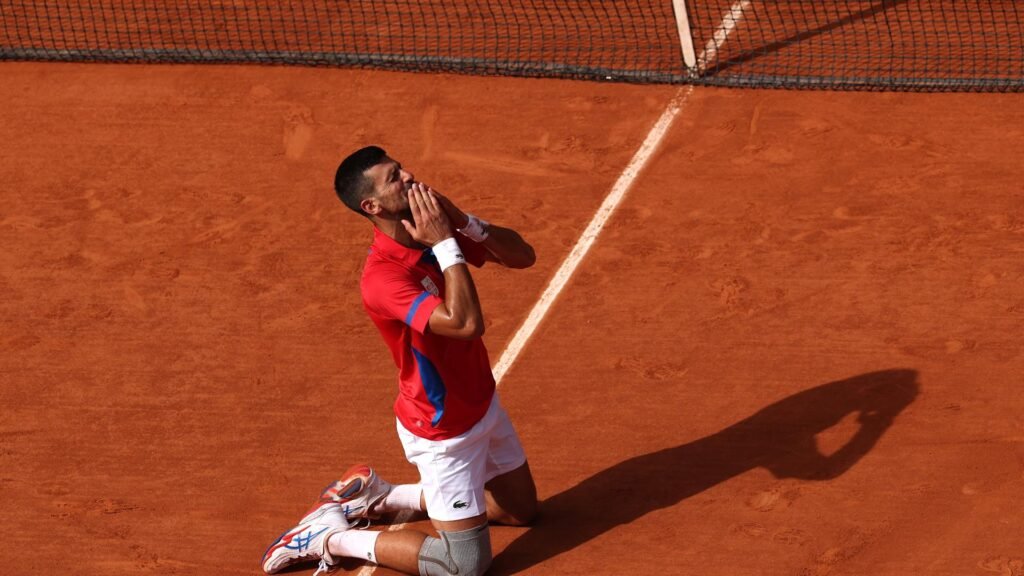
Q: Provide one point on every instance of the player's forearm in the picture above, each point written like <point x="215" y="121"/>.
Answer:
<point x="464" y="319"/>
<point x="509" y="247"/>
<point x="506" y="245"/>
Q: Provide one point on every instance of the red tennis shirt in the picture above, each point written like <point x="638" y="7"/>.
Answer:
<point x="445" y="385"/>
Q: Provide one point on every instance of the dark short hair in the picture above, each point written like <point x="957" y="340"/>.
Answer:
<point x="350" y="181"/>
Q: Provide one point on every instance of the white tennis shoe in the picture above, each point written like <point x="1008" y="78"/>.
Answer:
<point x="358" y="492"/>
<point x="308" y="540"/>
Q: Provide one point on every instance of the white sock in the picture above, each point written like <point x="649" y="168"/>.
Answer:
<point x="402" y="497"/>
<point x="354" y="544"/>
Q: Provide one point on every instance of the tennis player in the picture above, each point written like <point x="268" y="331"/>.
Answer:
<point x="417" y="289"/>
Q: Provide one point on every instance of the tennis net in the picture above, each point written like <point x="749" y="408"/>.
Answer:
<point x="856" y="44"/>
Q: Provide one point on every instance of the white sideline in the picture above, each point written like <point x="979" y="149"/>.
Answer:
<point x="586" y="240"/>
<point x="611" y="202"/>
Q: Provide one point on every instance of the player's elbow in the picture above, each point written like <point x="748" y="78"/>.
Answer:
<point x="464" y="325"/>
<point x="472" y="329"/>
<point x="464" y="329"/>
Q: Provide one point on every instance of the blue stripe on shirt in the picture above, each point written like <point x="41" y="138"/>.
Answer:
<point x="432" y="385"/>
<point x="415" y="306"/>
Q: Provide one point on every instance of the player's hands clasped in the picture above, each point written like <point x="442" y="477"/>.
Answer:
<point x="458" y="218"/>
<point x="430" y="223"/>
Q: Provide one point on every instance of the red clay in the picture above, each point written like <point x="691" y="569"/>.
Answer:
<point x="794" y="350"/>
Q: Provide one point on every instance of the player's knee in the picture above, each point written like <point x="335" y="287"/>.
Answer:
<point x="463" y="553"/>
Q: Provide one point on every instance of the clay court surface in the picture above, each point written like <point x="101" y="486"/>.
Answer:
<point x="795" y="349"/>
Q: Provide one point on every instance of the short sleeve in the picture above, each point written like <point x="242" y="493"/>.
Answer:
<point x="393" y="293"/>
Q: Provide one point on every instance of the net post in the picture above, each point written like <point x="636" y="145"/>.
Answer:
<point x="685" y="35"/>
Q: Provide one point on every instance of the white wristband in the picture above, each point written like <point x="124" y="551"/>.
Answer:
<point x="448" y="253"/>
<point x="475" y="229"/>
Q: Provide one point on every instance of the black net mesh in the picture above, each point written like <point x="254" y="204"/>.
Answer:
<point x="884" y="44"/>
<point x="894" y="44"/>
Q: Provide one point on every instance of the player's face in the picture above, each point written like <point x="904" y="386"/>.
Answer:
<point x="391" y="185"/>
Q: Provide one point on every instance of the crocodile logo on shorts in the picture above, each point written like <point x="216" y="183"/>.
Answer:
<point x="459" y="504"/>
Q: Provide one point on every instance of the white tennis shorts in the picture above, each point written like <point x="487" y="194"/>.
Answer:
<point x="453" y="471"/>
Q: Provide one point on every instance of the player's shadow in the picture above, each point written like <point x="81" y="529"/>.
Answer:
<point x="780" y="437"/>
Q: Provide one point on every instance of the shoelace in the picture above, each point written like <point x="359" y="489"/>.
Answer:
<point x="323" y="568"/>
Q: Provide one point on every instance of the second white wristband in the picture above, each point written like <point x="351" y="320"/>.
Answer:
<point x="448" y="253"/>
<point x="475" y="229"/>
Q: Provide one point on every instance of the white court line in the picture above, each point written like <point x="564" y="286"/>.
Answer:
<point x="586" y="240"/>
<point x="730" y="20"/>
